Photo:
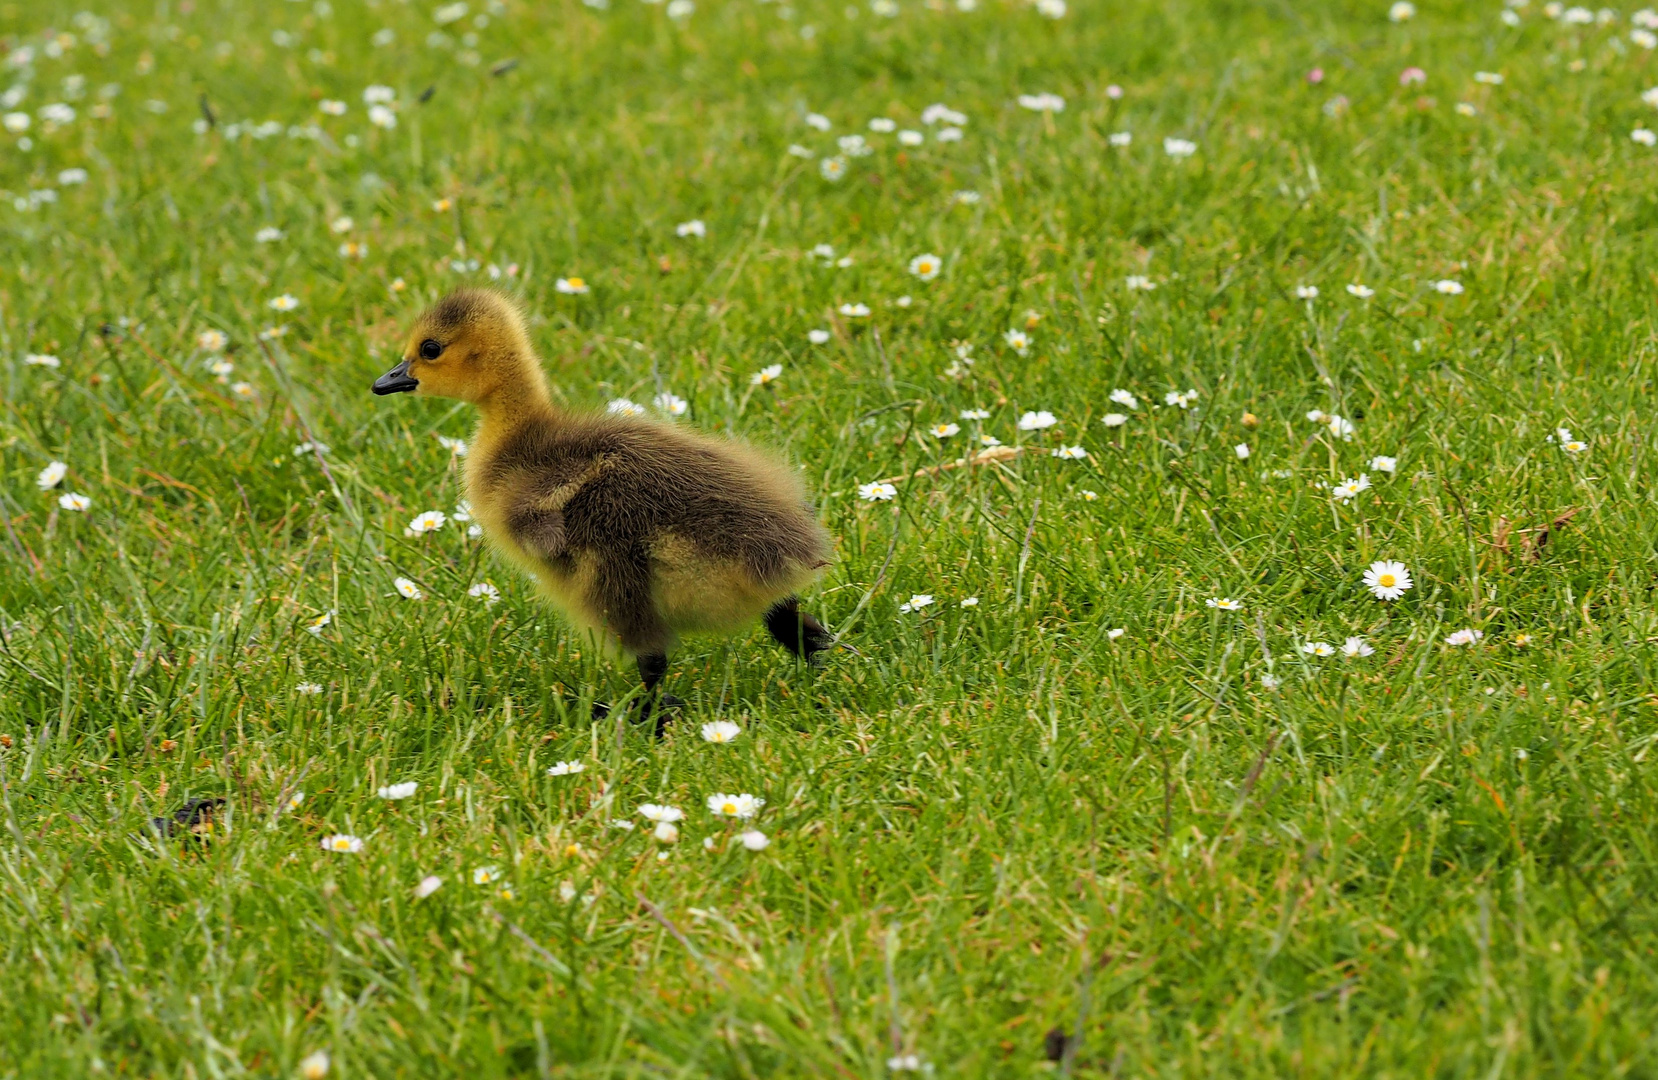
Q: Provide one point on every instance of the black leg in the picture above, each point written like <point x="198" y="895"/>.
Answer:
<point x="652" y="667"/>
<point x="651" y="670"/>
<point x="795" y="630"/>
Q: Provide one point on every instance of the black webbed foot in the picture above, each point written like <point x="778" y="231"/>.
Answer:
<point x="644" y="710"/>
<point x="797" y="631"/>
<point x="194" y="818"/>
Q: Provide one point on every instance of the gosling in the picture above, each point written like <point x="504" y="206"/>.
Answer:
<point x="639" y="531"/>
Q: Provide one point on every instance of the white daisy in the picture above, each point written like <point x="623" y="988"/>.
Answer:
<point x="407" y="589"/>
<point x="1464" y="637"/>
<point x="742" y="807"/>
<point x="425" y="522"/>
<point x="396" y="792"/>
<point x="1355" y="647"/>
<point x="1036" y="421"/>
<point x="926" y="267"/>
<point x="565" y="768"/>
<point x="51" y="476"/>
<point x="1318" y="648"/>
<point x="1363" y="292"/>
<point x="916" y="603"/>
<point x="572" y="286"/>
<point x="817" y="337"/>
<point x="672" y="404"/>
<point x="75" y="501"/>
<point x="1350" y="488"/>
<point x="1387" y="580"/>
<point x="1448" y="287"/>
<point x="484" y="591"/>
<point x="1071" y="453"/>
<point x="1224" y="603"/>
<point x="694" y="227"/>
<point x="343" y="842"/>
<point x="1306" y="292"/>
<point x="623" y="407"/>
<point x="753" y="839"/>
<point x="285" y="302"/>
<point x="768" y="374"/>
<point x="876" y="492"/>
<point x="720" y="731"/>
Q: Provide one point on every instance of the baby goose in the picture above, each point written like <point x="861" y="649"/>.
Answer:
<point x="638" y="530"/>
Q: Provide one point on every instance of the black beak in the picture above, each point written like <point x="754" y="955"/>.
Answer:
<point x="396" y="381"/>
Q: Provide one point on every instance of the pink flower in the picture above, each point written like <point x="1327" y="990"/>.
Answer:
<point x="1315" y="76"/>
<point x="1412" y="75"/>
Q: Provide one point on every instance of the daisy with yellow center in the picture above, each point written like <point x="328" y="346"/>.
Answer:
<point x="926" y="267"/>
<point x="741" y="807"/>
<point x="1387" y="580"/>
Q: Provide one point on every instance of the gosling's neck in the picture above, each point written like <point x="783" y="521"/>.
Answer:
<point x="515" y="400"/>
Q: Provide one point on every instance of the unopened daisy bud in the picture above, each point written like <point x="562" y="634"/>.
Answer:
<point x="1250" y="420"/>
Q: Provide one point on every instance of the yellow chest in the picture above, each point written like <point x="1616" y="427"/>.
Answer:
<point x="567" y="589"/>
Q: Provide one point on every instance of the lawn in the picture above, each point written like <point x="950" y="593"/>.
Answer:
<point x="1115" y="343"/>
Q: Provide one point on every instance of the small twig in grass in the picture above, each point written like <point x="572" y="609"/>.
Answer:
<point x="892" y="548"/>
<point x="534" y="946"/>
<point x="311" y="437"/>
<point x="668" y="924"/>
<point x="886" y="365"/>
<point x="1024" y="554"/>
<point x="1255" y="772"/>
<point x="1074" y="1043"/>
<point x="1467" y="522"/>
<point x="988" y="456"/>
<point x="895" y="1029"/>
<point x="1261" y="633"/>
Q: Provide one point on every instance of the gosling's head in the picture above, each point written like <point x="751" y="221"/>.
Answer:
<point x="470" y="345"/>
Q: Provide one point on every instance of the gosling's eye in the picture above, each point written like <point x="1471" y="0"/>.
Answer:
<point x="430" y="350"/>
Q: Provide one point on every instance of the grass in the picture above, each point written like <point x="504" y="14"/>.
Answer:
<point x="991" y="821"/>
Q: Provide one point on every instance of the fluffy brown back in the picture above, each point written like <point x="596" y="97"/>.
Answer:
<point x="635" y="480"/>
